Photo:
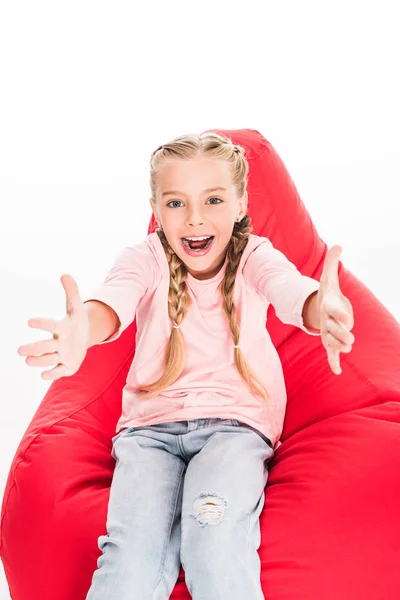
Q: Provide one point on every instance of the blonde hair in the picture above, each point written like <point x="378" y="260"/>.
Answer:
<point x="187" y="147"/>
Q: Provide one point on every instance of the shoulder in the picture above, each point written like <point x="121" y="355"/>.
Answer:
<point x="257" y="245"/>
<point x="257" y="257"/>
<point x="142" y="259"/>
<point x="140" y="254"/>
<point x="156" y="252"/>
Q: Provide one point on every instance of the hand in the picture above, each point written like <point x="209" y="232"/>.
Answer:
<point x="335" y="310"/>
<point x="67" y="349"/>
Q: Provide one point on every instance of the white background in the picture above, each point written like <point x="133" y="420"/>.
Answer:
<point x="90" y="89"/>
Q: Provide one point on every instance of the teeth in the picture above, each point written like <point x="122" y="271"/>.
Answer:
<point x="186" y="241"/>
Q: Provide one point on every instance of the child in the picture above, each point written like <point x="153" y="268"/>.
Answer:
<point x="204" y="401"/>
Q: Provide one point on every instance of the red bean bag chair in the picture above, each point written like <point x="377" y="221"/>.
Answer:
<point x="330" y="526"/>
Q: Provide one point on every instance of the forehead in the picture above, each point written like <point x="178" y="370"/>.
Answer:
<point x="194" y="176"/>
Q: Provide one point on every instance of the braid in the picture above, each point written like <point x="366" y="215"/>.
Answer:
<point x="237" y="244"/>
<point x="178" y="305"/>
<point x="235" y="250"/>
<point x="178" y="297"/>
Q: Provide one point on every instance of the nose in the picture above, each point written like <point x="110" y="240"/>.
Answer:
<point x="194" y="218"/>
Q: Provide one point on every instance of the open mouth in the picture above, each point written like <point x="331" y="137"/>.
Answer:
<point x="200" y="244"/>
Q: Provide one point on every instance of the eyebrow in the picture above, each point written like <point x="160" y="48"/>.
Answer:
<point x="212" y="189"/>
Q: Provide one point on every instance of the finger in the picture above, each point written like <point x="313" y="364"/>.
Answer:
<point x="334" y="360"/>
<point x="56" y="373"/>
<point x="331" y="266"/>
<point x="332" y="342"/>
<point x="50" y="325"/>
<point x="339" y="309"/>
<point x="346" y="348"/>
<point x="339" y="331"/>
<point x="42" y="347"/>
<point x="346" y="321"/>
<point x="73" y="299"/>
<point x="44" y="360"/>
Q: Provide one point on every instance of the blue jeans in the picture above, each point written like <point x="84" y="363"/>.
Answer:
<point x="187" y="492"/>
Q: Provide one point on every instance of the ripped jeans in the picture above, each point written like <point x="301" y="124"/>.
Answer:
<point x="187" y="492"/>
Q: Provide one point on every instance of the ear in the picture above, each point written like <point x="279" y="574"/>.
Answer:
<point x="246" y="200"/>
<point x="154" y="210"/>
<point x="243" y="202"/>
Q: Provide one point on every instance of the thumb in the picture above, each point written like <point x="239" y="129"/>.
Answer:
<point x="73" y="299"/>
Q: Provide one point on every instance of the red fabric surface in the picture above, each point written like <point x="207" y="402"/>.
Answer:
<point x="330" y="527"/>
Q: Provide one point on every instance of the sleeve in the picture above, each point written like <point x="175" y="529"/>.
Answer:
<point x="129" y="278"/>
<point x="280" y="282"/>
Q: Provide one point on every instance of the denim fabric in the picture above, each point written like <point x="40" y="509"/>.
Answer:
<point x="187" y="492"/>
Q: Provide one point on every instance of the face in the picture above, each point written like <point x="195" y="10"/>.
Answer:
<point x="191" y="211"/>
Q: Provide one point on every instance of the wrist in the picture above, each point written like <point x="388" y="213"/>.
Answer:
<point x="310" y="312"/>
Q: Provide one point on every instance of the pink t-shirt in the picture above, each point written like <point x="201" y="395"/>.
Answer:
<point x="210" y="385"/>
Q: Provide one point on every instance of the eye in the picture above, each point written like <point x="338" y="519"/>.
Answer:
<point x="172" y="202"/>
<point x="208" y="201"/>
